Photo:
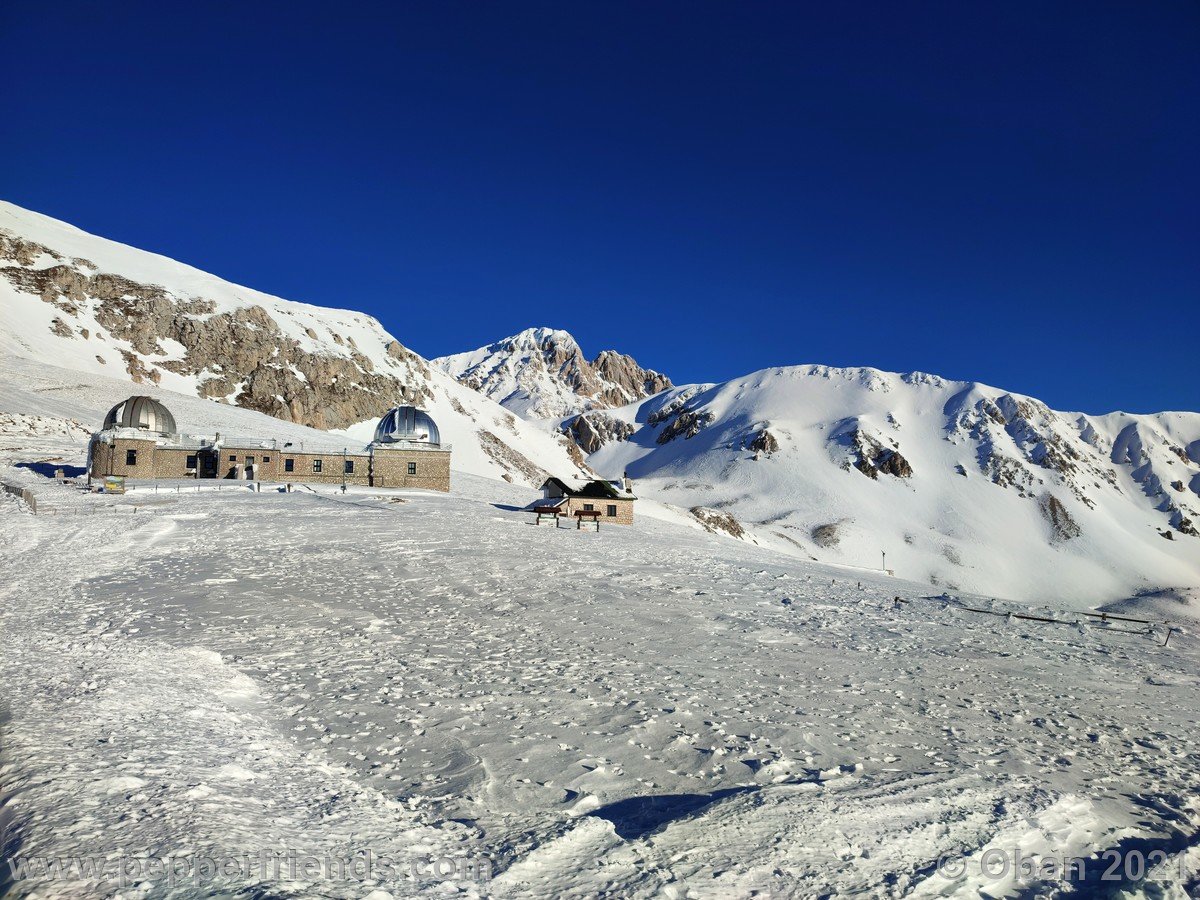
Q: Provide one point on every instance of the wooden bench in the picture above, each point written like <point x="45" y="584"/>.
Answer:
<point x="581" y="514"/>
<point x="548" y="512"/>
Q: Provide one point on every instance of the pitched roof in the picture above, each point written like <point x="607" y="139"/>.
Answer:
<point x="598" y="488"/>
<point x="560" y="484"/>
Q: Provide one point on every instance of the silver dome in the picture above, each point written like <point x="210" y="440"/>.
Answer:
<point x="145" y="413"/>
<point x="407" y="423"/>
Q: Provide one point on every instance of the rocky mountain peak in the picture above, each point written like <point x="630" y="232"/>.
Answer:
<point x="542" y="373"/>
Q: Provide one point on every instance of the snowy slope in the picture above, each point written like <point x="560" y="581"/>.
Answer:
<point x="960" y="484"/>
<point x="542" y="373"/>
<point x="105" y="310"/>
<point x="641" y="712"/>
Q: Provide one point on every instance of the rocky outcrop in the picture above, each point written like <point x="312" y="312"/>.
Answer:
<point x="868" y="454"/>
<point x="575" y="453"/>
<point x="1016" y="436"/>
<point x="763" y="444"/>
<point x="1062" y="526"/>
<point x="890" y="462"/>
<point x="592" y="430"/>
<point x="542" y="373"/>
<point x="625" y="380"/>
<point x="688" y="423"/>
<point x="242" y="356"/>
<point x="510" y="460"/>
<point x="139" y="373"/>
<point x="717" y="522"/>
<point x="827" y="535"/>
<point x="669" y="409"/>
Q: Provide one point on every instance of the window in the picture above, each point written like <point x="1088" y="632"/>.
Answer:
<point x="131" y="457"/>
<point x="266" y="459"/>
<point x="191" y="461"/>
<point x="317" y="465"/>
<point x="349" y="467"/>
<point x="612" y="510"/>
<point x="233" y="457"/>
<point x="289" y="465"/>
<point x="587" y="507"/>
<point x="249" y="460"/>
<point x="412" y="468"/>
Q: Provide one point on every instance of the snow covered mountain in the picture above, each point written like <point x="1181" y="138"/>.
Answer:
<point x="542" y="373"/>
<point x="91" y="305"/>
<point x="500" y="710"/>
<point x="960" y="484"/>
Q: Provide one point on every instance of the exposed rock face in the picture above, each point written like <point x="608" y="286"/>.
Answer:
<point x="717" y="522"/>
<point x="687" y="424"/>
<point x="828" y="535"/>
<point x="892" y="463"/>
<point x="1037" y="434"/>
<point x="512" y="460"/>
<point x="671" y="408"/>
<point x="241" y="355"/>
<point x="575" y="453"/>
<point x="625" y="380"/>
<point x="592" y="430"/>
<point x="1062" y="526"/>
<point x="868" y="454"/>
<point x="542" y="373"/>
<point x="763" y="443"/>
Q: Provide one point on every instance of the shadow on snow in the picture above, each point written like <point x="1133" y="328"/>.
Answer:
<point x="636" y="817"/>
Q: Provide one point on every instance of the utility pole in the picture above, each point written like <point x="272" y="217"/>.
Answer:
<point x="884" y="555"/>
<point x="343" y="470"/>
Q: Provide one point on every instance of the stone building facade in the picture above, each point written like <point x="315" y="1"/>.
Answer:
<point x="613" y="500"/>
<point x="407" y="453"/>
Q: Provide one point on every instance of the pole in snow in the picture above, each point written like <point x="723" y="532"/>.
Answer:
<point x="884" y="555"/>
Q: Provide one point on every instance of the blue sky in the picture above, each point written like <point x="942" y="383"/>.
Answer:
<point x="1006" y="192"/>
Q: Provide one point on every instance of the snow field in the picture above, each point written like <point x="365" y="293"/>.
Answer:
<point x="636" y="712"/>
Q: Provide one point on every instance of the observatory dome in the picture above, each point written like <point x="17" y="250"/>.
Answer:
<point x="407" y="423"/>
<point x="144" y="413"/>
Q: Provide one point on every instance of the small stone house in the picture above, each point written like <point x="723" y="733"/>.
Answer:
<point x="612" y="499"/>
<point x="139" y="440"/>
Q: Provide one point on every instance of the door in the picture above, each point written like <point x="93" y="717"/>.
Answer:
<point x="208" y="463"/>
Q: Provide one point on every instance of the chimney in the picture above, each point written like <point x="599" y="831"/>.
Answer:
<point x="626" y="483"/>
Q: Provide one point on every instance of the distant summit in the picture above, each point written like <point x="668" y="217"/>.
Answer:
<point x="542" y="373"/>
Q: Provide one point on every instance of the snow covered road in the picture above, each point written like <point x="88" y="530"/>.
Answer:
<point x="647" y="711"/>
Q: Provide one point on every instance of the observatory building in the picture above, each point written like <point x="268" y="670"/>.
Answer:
<point x="141" y="414"/>
<point x="139" y="439"/>
<point x="406" y="424"/>
<point x="408" y="451"/>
